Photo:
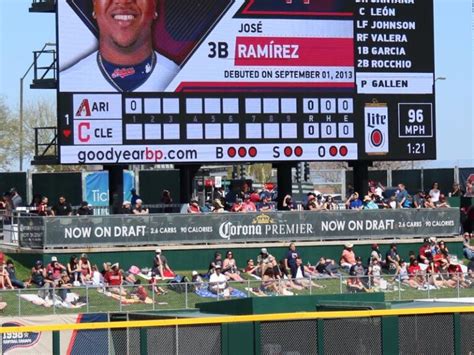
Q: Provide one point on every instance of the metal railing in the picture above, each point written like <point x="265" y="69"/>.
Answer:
<point x="171" y="296"/>
<point x="394" y="331"/>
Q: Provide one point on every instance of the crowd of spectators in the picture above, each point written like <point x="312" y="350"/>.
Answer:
<point x="433" y="267"/>
<point x="265" y="199"/>
<point x="378" y="197"/>
<point x="430" y="267"/>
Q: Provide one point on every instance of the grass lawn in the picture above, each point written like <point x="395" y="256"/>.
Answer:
<point x="98" y="302"/>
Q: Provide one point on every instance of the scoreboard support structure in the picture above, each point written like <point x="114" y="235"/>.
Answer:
<point x="186" y="176"/>
<point x="115" y="185"/>
<point x="361" y="176"/>
<point x="284" y="181"/>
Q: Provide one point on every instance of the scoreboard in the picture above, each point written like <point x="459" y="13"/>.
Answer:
<point x="175" y="81"/>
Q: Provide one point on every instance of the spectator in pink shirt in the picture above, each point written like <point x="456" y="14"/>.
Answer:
<point x="248" y="205"/>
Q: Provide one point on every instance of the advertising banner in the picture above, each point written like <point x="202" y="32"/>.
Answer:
<point x="248" y="227"/>
<point x="96" y="190"/>
<point x="34" y="342"/>
<point x="71" y="341"/>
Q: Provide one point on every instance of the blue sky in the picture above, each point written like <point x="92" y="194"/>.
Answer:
<point x="22" y="32"/>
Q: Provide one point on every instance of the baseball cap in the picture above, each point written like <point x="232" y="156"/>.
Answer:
<point x="194" y="273"/>
<point x="116" y="265"/>
<point x="158" y="251"/>
<point x="53" y="259"/>
<point x="348" y="245"/>
<point x="264" y="251"/>
<point x="39" y="262"/>
<point x="217" y="266"/>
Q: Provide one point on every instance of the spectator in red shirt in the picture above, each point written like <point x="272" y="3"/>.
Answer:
<point x="415" y="272"/>
<point x="456" y="275"/>
<point x="434" y="276"/>
<point x="424" y="250"/>
<point x="194" y="206"/>
<point x="238" y="206"/>
<point x="113" y="279"/>
<point x="43" y="209"/>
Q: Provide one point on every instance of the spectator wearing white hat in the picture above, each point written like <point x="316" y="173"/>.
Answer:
<point x="139" y="209"/>
<point x="218" y="283"/>
<point x="264" y="261"/>
<point x="197" y="280"/>
<point x="348" y="258"/>
<point x="54" y="269"/>
<point x="160" y="265"/>
<point x="126" y="208"/>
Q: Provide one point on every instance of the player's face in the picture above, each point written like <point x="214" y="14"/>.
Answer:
<point x="125" y="23"/>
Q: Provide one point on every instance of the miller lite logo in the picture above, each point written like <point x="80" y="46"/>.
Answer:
<point x="376" y="128"/>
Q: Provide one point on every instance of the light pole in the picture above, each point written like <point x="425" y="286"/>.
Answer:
<point x="21" y="105"/>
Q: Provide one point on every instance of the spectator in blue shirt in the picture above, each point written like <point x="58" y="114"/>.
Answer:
<point x="135" y="197"/>
<point x="354" y="203"/>
<point x="290" y="258"/>
<point x="369" y="204"/>
<point x="403" y="198"/>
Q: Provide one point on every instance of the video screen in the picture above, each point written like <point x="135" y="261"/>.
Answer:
<point x="163" y="81"/>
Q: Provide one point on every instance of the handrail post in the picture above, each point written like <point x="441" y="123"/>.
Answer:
<point x="19" y="302"/>
<point x="54" y="298"/>
<point x="457" y="283"/>
<point x="87" y="298"/>
<point x="153" y="295"/>
<point x="120" y="298"/>
<point x="186" y="295"/>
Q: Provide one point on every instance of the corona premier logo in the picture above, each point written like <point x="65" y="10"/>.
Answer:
<point x="263" y="219"/>
<point x="228" y="230"/>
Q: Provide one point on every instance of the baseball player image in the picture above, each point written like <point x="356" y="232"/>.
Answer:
<point x="125" y="60"/>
